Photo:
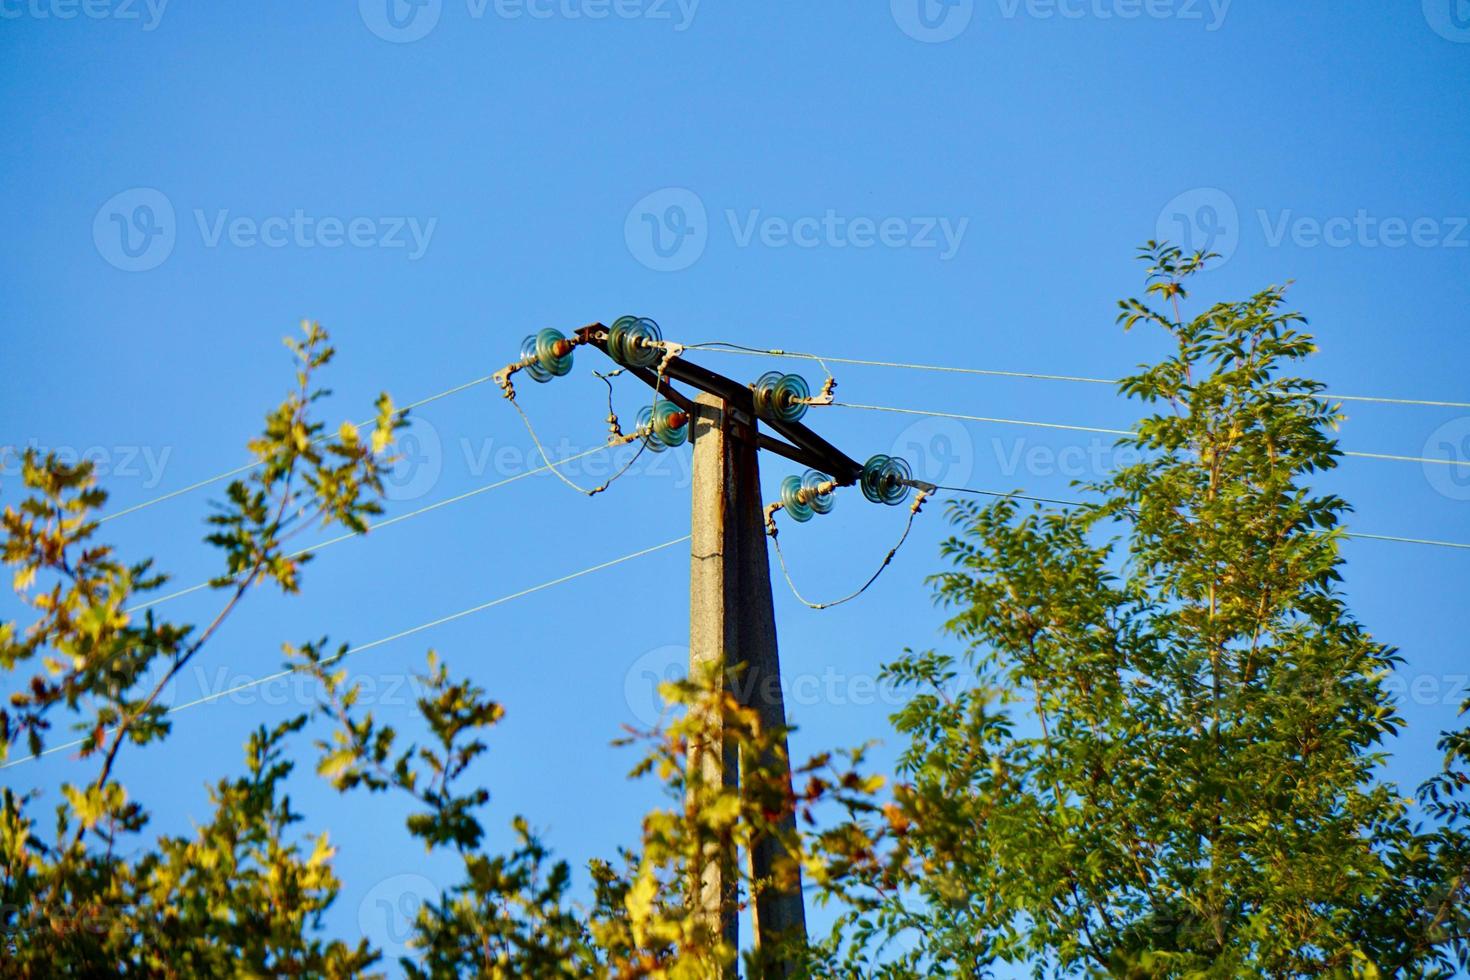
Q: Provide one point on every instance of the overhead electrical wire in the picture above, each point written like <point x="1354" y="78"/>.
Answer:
<point x="363" y="647"/>
<point x="1077" y="503"/>
<point x="725" y="348"/>
<point x="1112" y="432"/>
<point x="399" y="411"/>
<point x="397" y="519"/>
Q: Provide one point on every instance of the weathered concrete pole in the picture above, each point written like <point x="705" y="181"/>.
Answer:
<point x="732" y="624"/>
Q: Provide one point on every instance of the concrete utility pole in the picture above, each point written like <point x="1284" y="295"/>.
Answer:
<point x="732" y="620"/>
<point x="732" y="628"/>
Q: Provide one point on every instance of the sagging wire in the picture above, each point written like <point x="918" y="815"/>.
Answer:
<point x="914" y="508"/>
<point x="632" y="341"/>
<point x="884" y="479"/>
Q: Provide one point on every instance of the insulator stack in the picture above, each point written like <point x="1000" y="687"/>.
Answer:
<point x="886" y="479"/>
<point x="808" y="494"/>
<point x="781" y="397"/>
<point x="634" y="341"/>
<point x="552" y="352"/>
<point x="663" y="425"/>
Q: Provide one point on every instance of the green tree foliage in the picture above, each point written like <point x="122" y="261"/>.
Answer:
<point x="1155" y="757"/>
<point x="241" y="895"/>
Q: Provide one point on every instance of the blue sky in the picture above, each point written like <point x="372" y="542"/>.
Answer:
<point x="962" y="184"/>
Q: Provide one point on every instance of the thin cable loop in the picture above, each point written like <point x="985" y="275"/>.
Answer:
<point x="919" y="499"/>
<point x="502" y="378"/>
<point x="175" y="709"/>
<point x="553" y="467"/>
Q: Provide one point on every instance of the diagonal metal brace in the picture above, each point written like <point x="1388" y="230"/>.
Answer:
<point x="802" y="445"/>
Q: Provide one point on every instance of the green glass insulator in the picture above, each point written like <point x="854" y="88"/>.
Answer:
<point x="547" y="341"/>
<point x="670" y="424"/>
<point x="647" y="430"/>
<point x="542" y="345"/>
<point x="663" y="425"/>
<point x="531" y="348"/>
<point x="632" y="340"/>
<point x="791" y="501"/>
<point x="781" y="397"/>
<point x="885" y="479"/>
<point x="821" y="502"/>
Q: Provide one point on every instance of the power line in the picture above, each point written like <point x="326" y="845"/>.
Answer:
<point x="1390" y="537"/>
<point x="250" y="466"/>
<point x="984" y="418"/>
<point x="1112" y="432"/>
<point x="1078" y="503"/>
<point x="723" y="348"/>
<point x="312" y="549"/>
<point x="175" y="709"/>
